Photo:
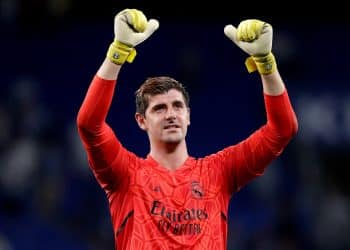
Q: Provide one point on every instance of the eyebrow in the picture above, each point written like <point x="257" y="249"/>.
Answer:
<point x="178" y="103"/>
<point x="158" y="106"/>
<point x="163" y="105"/>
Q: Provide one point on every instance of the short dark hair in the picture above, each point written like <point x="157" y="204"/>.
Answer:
<point x="155" y="86"/>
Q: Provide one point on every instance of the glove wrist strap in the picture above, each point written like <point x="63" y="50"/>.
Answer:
<point x="119" y="52"/>
<point x="263" y="64"/>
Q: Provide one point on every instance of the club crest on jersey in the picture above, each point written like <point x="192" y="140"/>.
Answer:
<point x="197" y="190"/>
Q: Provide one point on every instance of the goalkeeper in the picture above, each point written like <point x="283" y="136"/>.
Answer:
<point x="169" y="199"/>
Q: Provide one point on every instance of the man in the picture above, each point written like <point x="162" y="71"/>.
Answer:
<point x="170" y="200"/>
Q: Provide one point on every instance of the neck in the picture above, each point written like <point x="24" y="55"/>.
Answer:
<point x="170" y="156"/>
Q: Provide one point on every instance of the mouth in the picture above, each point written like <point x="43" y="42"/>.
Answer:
<point x="172" y="126"/>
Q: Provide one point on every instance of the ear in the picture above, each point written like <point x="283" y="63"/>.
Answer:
<point x="140" y="119"/>
<point x="188" y="116"/>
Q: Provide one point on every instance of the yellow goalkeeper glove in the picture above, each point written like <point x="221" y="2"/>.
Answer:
<point x="130" y="29"/>
<point x="255" y="38"/>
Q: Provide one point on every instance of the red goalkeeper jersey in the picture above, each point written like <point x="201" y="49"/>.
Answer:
<point x="154" y="208"/>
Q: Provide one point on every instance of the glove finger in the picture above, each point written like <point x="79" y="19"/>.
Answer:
<point x="152" y="26"/>
<point x="245" y="31"/>
<point x="231" y="32"/>
<point x="265" y="38"/>
<point x="136" y="20"/>
<point x="241" y="31"/>
<point x="251" y="32"/>
<point x="266" y="28"/>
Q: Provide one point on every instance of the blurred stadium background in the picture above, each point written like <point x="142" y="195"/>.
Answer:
<point x="50" y="50"/>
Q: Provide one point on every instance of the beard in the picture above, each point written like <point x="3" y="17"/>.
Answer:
<point x="173" y="138"/>
<point x="168" y="137"/>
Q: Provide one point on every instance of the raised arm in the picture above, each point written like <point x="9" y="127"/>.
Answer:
<point x="130" y="29"/>
<point x="249" y="158"/>
<point x="255" y="38"/>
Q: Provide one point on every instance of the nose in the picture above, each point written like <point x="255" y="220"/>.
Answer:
<point x="170" y="114"/>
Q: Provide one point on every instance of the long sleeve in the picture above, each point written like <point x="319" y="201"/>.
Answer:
<point x="99" y="140"/>
<point x="282" y="123"/>
<point x="94" y="109"/>
<point x="248" y="159"/>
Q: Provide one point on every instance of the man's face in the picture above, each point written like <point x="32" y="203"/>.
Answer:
<point x="166" y="118"/>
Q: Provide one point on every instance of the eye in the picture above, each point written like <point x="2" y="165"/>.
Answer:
<point x="159" y="108"/>
<point x="178" y="105"/>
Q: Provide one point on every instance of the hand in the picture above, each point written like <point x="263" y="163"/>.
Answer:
<point x="252" y="36"/>
<point x="130" y="29"/>
<point x="255" y="38"/>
